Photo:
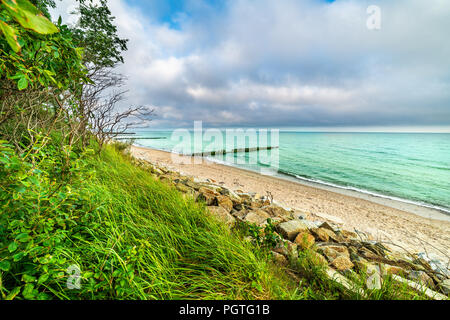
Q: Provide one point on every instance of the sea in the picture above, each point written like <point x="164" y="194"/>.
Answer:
<point x="409" y="167"/>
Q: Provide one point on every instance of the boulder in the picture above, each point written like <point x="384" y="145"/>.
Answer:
<point x="224" y="202"/>
<point x="321" y="234"/>
<point x="279" y="258"/>
<point x="348" y="235"/>
<point x="276" y="211"/>
<point x="256" y="216"/>
<point x="390" y="270"/>
<point x="255" y="205"/>
<point x="331" y="254"/>
<point x="221" y="214"/>
<point x="341" y="250"/>
<point x="208" y="196"/>
<point x="305" y="240"/>
<point x="342" y="263"/>
<point x="333" y="236"/>
<point x="445" y="286"/>
<point x="286" y="248"/>
<point x="421" y="288"/>
<point x="421" y="277"/>
<point x="326" y="225"/>
<point x="339" y="278"/>
<point x="373" y="274"/>
<point x="318" y="259"/>
<point x="239" y="214"/>
<point x="290" y="229"/>
<point x="183" y="188"/>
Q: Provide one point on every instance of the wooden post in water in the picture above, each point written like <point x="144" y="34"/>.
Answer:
<point x="213" y="153"/>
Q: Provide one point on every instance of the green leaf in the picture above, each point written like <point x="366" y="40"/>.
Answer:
<point x="12" y="247"/>
<point x="10" y="35"/>
<point x="28" y="291"/>
<point x="23" y="237"/>
<point x="18" y="256"/>
<point x="43" y="278"/>
<point x="27" y="278"/>
<point x="5" y="265"/>
<point x="29" y="17"/>
<point x="14" y="292"/>
<point x="22" y="83"/>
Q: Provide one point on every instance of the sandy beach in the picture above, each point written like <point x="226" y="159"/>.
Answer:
<point x="400" y="225"/>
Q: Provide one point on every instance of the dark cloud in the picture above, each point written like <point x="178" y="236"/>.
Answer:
<point x="291" y="63"/>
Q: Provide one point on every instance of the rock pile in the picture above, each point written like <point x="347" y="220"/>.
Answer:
<point x="343" y="251"/>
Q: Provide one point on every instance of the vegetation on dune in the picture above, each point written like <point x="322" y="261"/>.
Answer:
<point x="68" y="203"/>
<point x="132" y="236"/>
<point x="71" y="203"/>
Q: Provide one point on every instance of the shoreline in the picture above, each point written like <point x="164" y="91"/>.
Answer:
<point x="424" y="210"/>
<point x="409" y="226"/>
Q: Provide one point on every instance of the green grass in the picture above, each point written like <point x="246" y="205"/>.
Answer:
<point x="177" y="251"/>
<point x="134" y="237"/>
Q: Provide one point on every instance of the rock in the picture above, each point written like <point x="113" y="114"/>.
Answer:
<point x="373" y="280"/>
<point x="289" y="230"/>
<point x="354" y="254"/>
<point x="234" y="197"/>
<point x="418" y="287"/>
<point x="276" y="211"/>
<point x="183" y="188"/>
<point x="421" y="277"/>
<point x="305" y="240"/>
<point x="348" y="235"/>
<point x="279" y="258"/>
<point x="366" y="253"/>
<point x="339" y="278"/>
<point x="326" y="225"/>
<point x="390" y="270"/>
<point x="239" y="214"/>
<point x="257" y="197"/>
<point x="244" y="196"/>
<point x="318" y="259"/>
<point x="342" y="263"/>
<point x="224" y="202"/>
<point x="208" y="196"/>
<point x="221" y="214"/>
<point x="341" y="250"/>
<point x="287" y="248"/>
<point x="445" y="286"/>
<point x="331" y="254"/>
<point x="321" y="234"/>
<point x="256" y="216"/>
<point x="165" y="178"/>
<point x="333" y="236"/>
<point x="435" y="263"/>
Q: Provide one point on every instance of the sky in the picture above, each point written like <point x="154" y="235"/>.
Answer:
<point x="286" y="63"/>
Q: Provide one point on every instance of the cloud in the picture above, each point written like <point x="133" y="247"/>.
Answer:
<point x="289" y="63"/>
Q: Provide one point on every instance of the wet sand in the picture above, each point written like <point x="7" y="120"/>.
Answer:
<point x="400" y="225"/>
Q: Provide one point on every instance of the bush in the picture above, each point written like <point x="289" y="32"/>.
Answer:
<point x="129" y="235"/>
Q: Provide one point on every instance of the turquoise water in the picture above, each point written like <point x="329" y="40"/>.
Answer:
<point x="409" y="166"/>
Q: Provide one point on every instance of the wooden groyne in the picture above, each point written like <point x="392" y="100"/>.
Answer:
<point x="214" y="153"/>
<point x="142" y="138"/>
